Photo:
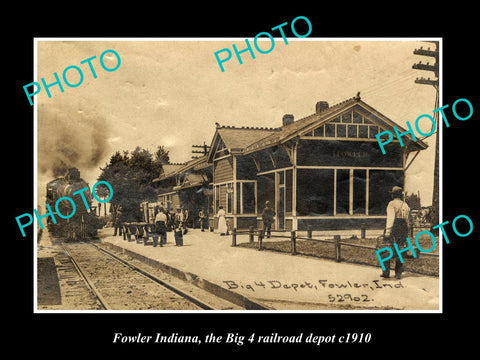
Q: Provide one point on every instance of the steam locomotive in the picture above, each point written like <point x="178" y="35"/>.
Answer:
<point x="84" y="223"/>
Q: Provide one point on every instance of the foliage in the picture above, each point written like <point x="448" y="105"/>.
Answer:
<point x="130" y="174"/>
<point x="413" y="201"/>
<point x="161" y="155"/>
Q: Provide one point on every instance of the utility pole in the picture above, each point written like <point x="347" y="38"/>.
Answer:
<point x="435" y="83"/>
<point x="204" y="151"/>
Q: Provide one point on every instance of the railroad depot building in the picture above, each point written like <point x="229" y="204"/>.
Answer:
<point x="325" y="170"/>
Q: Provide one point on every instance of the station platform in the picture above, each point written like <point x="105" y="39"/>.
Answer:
<point x="281" y="282"/>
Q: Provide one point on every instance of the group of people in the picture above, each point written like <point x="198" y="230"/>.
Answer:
<point x="396" y="229"/>
<point x="268" y="218"/>
<point x="165" y="221"/>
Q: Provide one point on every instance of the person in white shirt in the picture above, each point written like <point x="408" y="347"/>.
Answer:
<point x="396" y="229"/>
<point x="161" y="226"/>
<point x="222" y="223"/>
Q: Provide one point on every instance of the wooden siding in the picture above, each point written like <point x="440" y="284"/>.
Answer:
<point x="223" y="170"/>
<point x="170" y="201"/>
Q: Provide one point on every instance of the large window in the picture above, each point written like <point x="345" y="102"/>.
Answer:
<point x="246" y="197"/>
<point x="229" y="189"/>
<point x="345" y="191"/>
<point x="379" y="189"/>
<point x="315" y="192"/>
<point x="351" y="191"/>
<point x="288" y="191"/>
<point x="359" y="196"/>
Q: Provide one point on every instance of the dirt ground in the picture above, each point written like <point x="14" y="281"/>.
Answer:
<point x="422" y="264"/>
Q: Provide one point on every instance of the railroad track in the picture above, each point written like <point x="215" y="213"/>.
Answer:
<point x="118" y="284"/>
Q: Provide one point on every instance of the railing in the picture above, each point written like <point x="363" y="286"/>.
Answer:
<point x="293" y="237"/>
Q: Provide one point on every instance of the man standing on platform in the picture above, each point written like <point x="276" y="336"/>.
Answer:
<point x="396" y="230"/>
<point x="178" y="227"/>
<point x="161" y="225"/>
<point x="117" y="221"/>
<point x="203" y="217"/>
<point x="268" y="218"/>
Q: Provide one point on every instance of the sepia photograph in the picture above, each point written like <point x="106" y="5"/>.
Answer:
<point x="270" y="174"/>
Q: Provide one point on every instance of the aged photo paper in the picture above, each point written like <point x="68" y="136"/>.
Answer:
<point x="292" y="130"/>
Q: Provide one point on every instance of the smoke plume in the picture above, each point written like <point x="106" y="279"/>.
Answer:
<point x="73" y="138"/>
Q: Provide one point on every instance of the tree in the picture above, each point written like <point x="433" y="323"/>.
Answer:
<point x="102" y="192"/>
<point x="413" y="201"/>
<point x="161" y="155"/>
<point x="130" y="176"/>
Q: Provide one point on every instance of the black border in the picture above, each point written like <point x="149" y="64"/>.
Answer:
<point x="403" y="333"/>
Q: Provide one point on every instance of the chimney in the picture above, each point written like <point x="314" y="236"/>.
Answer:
<point x="321" y="105"/>
<point x="287" y="119"/>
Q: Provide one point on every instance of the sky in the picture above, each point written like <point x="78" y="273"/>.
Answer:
<point x="171" y="92"/>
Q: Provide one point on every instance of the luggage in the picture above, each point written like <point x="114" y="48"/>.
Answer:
<point x="179" y="237"/>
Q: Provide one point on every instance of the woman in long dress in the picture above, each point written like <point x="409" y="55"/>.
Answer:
<point x="222" y="223"/>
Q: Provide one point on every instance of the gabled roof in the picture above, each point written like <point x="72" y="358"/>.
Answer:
<point x="301" y="126"/>
<point x="245" y="140"/>
<point x="192" y="180"/>
<point x="170" y="170"/>
<point x="236" y="139"/>
<point x="239" y="138"/>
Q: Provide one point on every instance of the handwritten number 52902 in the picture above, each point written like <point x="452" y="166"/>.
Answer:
<point x="348" y="297"/>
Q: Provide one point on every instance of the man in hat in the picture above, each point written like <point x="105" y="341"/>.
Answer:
<point x="161" y="225"/>
<point x="267" y="216"/>
<point x="203" y="215"/>
<point x="117" y="221"/>
<point x="396" y="229"/>
<point x="178" y="227"/>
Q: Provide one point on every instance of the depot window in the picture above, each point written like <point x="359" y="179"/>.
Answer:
<point x="351" y="193"/>
<point x="246" y="197"/>
<point x="350" y="125"/>
<point x="345" y="192"/>
<point x="315" y="191"/>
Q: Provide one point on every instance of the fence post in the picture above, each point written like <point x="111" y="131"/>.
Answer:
<point x="234" y="237"/>
<point x="338" y="256"/>
<point x="260" y="239"/>
<point x="250" y="235"/>
<point x="294" y="242"/>
<point x="362" y="231"/>
<point x="309" y="231"/>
